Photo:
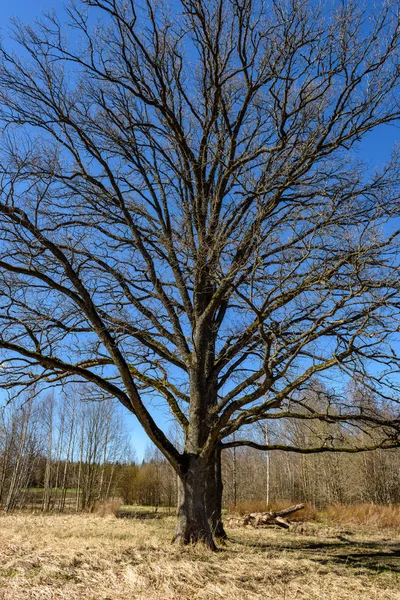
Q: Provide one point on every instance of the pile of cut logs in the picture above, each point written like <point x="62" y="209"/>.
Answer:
<point x="259" y="519"/>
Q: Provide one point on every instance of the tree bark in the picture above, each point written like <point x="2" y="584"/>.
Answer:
<point x="192" y="522"/>
<point x="213" y="495"/>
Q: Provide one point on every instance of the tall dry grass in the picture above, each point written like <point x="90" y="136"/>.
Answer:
<point x="107" y="508"/>
<point x="82" y="557"/>
<point x="369" y="515"/>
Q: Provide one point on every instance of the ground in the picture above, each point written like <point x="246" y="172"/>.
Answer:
<point x="88" y="557"/>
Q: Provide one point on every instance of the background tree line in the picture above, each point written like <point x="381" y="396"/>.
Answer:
<point x="373" y="477"/>
<point x="66" y="453"/>
<point x="60" y="453"/>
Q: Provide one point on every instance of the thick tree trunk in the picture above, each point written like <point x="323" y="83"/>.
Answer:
<point x="213" y="497"/>
<point x="192" y="523"/>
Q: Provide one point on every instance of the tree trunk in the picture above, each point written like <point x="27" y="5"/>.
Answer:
<point x="213" y="496"/>
<point x="192" y="523"/>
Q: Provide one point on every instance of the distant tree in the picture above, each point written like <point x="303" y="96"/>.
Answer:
<point x="126" y="484"/>
<point x="23" y="453"/>
<point x="182" y="218"/>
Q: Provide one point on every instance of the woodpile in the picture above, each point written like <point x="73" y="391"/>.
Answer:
<point x="260" y="519"/>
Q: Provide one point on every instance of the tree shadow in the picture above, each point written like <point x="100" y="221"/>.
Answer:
<point x="376" y="556"/>
<point x="141" y="515"/>
<point x="374" y="561"/>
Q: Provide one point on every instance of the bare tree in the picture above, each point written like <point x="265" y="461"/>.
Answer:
<point x="20" y="467"/>
<point x="183" y="218"/>
<point x="70" y="403"/>
<point x="47" y="484"/>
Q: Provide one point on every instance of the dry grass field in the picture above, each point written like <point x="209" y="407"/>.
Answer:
<point x="88" y="557"/>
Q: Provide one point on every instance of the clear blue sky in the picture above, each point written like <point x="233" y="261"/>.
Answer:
<point x="375" y="149"/>
<point x="26" y="10"/>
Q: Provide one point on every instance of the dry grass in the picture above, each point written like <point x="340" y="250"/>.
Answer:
<point x="107" y="508"/>
<point x="371" y="515"/>
<point x="85" y="557"/>
<point x="308" y="513"/>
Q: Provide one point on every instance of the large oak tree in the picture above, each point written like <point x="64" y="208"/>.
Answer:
<point x="184" y="217"/>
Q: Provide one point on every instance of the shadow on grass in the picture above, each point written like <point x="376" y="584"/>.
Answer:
<point x="374" y="561"/>
<point x="139" y="515"/>
<point x="374" y="556"/>
<point x="143" y="514"/>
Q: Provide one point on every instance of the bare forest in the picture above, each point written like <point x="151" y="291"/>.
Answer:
<point x="70" y="454"/>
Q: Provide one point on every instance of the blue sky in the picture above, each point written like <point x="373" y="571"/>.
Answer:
<point x="375" y="148"/>
<point x="25" y="10"/>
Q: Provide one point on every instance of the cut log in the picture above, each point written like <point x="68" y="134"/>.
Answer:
<point x="282" y="522"/>
<point x="266" y="518"/>
<point x="289" y="510"/>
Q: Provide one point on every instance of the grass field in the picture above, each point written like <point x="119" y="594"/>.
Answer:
<point x="87" y="557"/>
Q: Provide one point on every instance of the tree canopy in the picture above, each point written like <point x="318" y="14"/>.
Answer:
<point x="184" y="216"/>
